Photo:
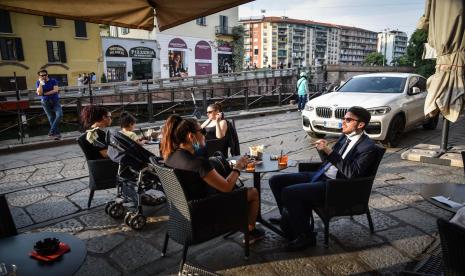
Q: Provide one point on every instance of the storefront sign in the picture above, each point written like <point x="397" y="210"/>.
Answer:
<point x="203" y="68"/>
<point x="142" y="52"/>
<point x="116" y="51"/>
<point x="177" y="43"/>
<point x="225" y="48"/>
<point x="203" y="50"/>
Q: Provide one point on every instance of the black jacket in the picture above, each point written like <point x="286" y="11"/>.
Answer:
<point x="232" y="140"/>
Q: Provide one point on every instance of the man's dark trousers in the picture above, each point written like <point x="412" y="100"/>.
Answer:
<point x="298" y="195"/>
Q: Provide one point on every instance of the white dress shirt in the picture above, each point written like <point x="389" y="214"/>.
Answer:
<point x="332" y="171"/>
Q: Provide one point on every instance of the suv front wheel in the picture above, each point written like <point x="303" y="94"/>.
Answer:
<point x="396" y="128"/>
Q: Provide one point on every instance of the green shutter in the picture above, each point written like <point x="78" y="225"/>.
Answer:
<point x="50" y="51"/>
<point x="62" y="50"/>
<point x="19" y="49"/>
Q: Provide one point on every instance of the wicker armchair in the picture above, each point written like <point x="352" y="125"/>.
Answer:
<point x="453" y="245"/>
<point x="7" y="224"/>
<point x="345" y="197"/>
<point x="197" y="221"/>
<point x="103" y="173"/>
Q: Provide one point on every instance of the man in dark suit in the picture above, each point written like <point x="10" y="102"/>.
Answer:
<point x="352" y="156"/>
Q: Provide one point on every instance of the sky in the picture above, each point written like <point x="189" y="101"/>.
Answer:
<point x="374" y="15"/>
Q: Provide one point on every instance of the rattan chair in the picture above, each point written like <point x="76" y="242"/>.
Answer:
<point x="453" y="247"/>
<point x="196" y="221"/>
<point x="345" y="197"/>
<point x="103" y="173"/>
<point x="7" y="224"/>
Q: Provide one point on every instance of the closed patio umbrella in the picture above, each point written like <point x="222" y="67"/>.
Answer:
<point x="135" y="14"/>
<point x="444" y="21"/>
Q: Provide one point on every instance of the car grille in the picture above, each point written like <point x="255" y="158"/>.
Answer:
<point x="340" y="112"/>
<point x="324" y="112"/>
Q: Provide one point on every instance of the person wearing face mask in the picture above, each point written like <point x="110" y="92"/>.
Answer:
<point x="352" y="156"/>
<point x="198" y="178"/>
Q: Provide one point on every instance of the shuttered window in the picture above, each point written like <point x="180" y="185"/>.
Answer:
<point x="50" y="21"/>
<point x="11" y="48"/>
<point x="56" y="51"/>
<point x="5" y="22"/>
<point x="80" y="28"/>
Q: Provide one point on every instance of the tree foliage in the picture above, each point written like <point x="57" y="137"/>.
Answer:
<point x="374" y="59"/>
<point x="424" y="67"/>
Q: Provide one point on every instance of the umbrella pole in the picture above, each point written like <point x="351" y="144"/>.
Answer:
<point x="445" y="137"/>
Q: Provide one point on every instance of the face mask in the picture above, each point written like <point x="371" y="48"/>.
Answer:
<point x="198" y="150"/>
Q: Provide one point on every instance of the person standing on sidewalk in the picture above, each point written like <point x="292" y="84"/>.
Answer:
<point x="302" y="91"/>
<point x="48" y="91"/>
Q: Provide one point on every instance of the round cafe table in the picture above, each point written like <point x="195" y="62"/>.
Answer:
<point x="15" y="250"/>
<point x="263" y="166"/>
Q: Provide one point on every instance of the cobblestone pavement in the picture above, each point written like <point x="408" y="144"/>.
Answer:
<point x="47" y="190"/>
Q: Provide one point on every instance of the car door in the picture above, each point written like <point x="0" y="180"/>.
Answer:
<point x="415" y="101"/>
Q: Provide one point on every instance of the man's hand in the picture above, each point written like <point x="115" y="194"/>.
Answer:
<point x="322" y="145"/>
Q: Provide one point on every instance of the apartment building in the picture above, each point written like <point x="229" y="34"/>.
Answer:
<point x="65" y="48"/>
<point x="392" y="44"/>
<point x="198" y="47"/>
<point x="286" y="42"/>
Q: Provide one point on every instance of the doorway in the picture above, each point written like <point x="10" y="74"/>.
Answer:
<point x="142" y="69"/>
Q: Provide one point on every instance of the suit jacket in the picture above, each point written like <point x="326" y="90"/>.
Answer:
<point x="359" y="161"/>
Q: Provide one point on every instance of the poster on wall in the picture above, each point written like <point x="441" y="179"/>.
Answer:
<point x="225" y="60"/>
<point x="203" y="58"/>
<point x="177" y="58"/>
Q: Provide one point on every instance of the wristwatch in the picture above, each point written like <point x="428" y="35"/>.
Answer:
<point x="236" y="170"/>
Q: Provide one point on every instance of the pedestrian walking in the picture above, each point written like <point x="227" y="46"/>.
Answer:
<point x="85" y="82"/>
<point x="302" y="91"/>
<point x="93" y="78"/>
<point x="48" y="91"/>
<point x="79" y="83"/>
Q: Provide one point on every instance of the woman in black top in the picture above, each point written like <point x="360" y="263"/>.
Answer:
<point x="216" y="126"/>
<point x="95" y="119"/>
<point x="182" y="137"/>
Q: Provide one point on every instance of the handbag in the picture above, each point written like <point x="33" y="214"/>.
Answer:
<point x="219" y="162"/>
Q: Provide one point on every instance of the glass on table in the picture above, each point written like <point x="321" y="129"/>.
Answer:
<point x="250" y="166"/>
<point x="282" y="161"/>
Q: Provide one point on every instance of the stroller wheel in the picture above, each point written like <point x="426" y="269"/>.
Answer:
<point x="116" y="210"/>
<point x="107" y="206"/>
<point x="137" y="222"/>
<point x="128" y="217"/>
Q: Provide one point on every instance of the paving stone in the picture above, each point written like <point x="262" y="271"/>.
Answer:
<point x="293" y="265"/>
<point x="20" y="217"/>
<point x="418" y="219"/>
<point x="99" y="220"/>
<point x="27" y="197"/>
<point x="11" y="186"/>
<point x="74" y="160"/>
<point x="352" y="235"/>
<point x="38" y="178"/>
<point x="380" y="220"/>
<point x="66" y="188"/>
<point x="428" y="207"/>
<point x="101" y="241"/>
<point x="399" y="194"/>
<point x="17" y="177"/>
<point x="71" y="173"/>
<point x="384" y="203"/>
<point x="21" y="170"/>
<point x="133" y="254"/>
<point x="51" y="165"/>
<point x="67" y="226"/>
<point x="96" y="266"/>
<point x="384" y="259"/>
<point x="100" y="197"/>
<point x="346" y="267"/>
<point x="50" y="208"/>
<point x="408" y="239"/>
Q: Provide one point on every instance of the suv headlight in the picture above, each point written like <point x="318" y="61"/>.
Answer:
<point x="375" y="111"/>
<point x="308" y="107"/>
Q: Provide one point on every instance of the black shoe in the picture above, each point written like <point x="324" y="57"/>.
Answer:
<point x="302" y="242"/>
<point x="276" y="220"/>
<point x="255" y="235"/>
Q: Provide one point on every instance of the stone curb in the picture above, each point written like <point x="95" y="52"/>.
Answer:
<point x="71" y="140"/>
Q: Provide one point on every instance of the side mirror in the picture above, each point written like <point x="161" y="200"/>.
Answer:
<point x="415" y="90"/>
<point x="335" y="88"/>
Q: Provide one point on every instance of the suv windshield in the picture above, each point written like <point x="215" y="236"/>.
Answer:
<point x="374" y="85"/>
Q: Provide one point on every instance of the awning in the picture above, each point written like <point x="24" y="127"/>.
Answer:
<point x="444" y="21"/>
<point x="135" y="14"/>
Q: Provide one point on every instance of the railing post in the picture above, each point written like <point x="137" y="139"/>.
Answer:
<point x="259" y="88"/>
<point x="204" y="100"/>
<point x="150" y="107"/>
<point x="246" y="98"/>
<point x="172" y="95"/>
<point x="279" y="97"/>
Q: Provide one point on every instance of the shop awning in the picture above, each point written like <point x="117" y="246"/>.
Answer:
<point x="135" y="14"/>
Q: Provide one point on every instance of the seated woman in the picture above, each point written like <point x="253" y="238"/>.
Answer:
<point x="95" y="119"/>
<point x="128" y="124"/>
<point x="216" y="126"/>
<point x="182" y="137"/>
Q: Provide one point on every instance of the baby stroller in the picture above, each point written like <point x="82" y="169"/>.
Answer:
<point x="134" y="179"/>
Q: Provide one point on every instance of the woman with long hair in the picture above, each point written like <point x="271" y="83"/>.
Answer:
<point x="216" y="126"/>
<point x="95" y="119"/>
<point x="182" y="137"/>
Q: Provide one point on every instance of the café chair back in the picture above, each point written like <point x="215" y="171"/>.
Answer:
<point x="345" y="197"/>
<point x="103" y="173"/>
<point x="196" y="221"/>
<point x="7" y="224"/>
<point x="453" y="247"/>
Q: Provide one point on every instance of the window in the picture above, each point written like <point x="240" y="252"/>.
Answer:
<point x="62" y="79"/>
<point x="56" y="51"/>
<point x="202" y="21"/>
<point x="11" y="48"/>
<point x="124" y="31"/>
<point x="50" y="21"/>
<point x="5" y="22"/>
<point x="255" y="51"/>
<point x="80" y="28"/>
<point x="223" y="21"/>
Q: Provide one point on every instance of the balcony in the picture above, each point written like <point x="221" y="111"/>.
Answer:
<point x="223" y="30"/>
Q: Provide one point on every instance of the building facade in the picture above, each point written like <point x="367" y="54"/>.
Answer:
<point x="392" y="44"/>
<point x="65" y="48"/>
<point x="285" y="42"/>
<point x="198" y="47"/>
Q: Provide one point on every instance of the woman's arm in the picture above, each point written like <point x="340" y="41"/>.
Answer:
<point x="214" y="179"/>
<point x="221" y="128"/>
<point x="104" y="153"/>
<point x="205" y="123"/>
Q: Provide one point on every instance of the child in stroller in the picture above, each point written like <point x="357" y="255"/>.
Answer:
<point x="134" y="179"/>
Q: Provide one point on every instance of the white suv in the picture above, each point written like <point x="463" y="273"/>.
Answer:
<point x="395" y="101"/>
